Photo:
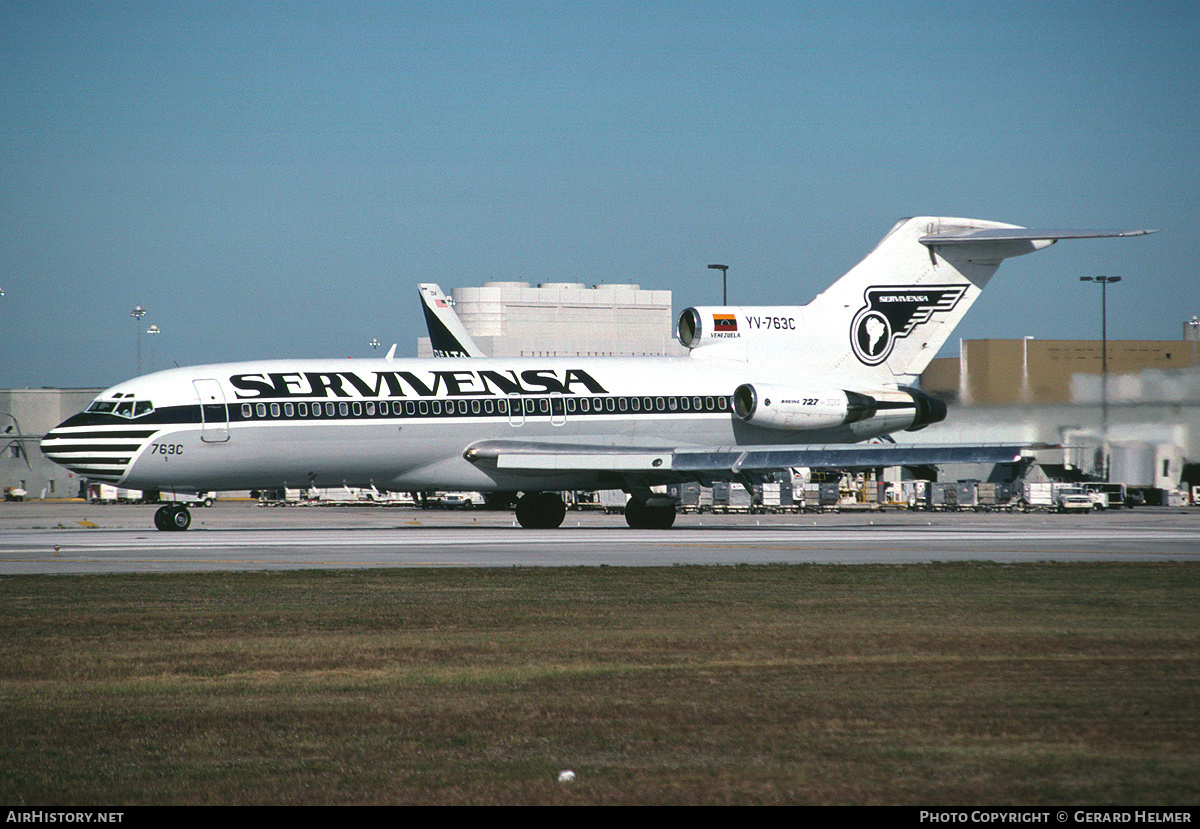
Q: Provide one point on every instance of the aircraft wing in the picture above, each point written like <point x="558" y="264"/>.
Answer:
<point x="723" y="462"/>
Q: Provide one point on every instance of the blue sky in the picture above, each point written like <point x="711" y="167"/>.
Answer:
<point x="273" y="179"/>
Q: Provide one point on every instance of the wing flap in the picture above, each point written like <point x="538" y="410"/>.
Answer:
<point x="852" y="456"/>
<point x="582" y="461"/>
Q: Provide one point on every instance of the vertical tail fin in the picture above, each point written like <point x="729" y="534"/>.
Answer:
<point x="883" y="321"/>
<point x="900" y="304"/>
<point x="447" y="335"/>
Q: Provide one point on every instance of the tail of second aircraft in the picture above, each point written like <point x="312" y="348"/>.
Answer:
<point x="889" y="315"/>
<point x="447" y="335"/>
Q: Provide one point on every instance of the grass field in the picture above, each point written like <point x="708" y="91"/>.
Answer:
<point x="957" y="684"/>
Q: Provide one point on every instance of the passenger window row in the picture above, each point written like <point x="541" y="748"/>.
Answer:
<point x="502" y="407"/>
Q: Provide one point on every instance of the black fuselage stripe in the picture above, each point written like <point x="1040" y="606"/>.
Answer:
<point x="78" y="464"/>
<point x="70" y="448"/>
<point x="65" y="433"/>
<point x="555" y="409"/>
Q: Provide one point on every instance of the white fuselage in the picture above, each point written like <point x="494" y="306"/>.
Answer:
<point x="404" y="424"/>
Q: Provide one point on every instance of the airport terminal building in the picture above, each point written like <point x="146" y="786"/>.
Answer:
<point x="25" y="416"/>
<point x="516" y="319"/>
<point x="1140" y="423"/>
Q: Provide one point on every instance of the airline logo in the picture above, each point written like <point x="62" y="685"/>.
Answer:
<point x="725" y="325"/>
<point x="308" y="384"/>
<point x="892" y="313"/>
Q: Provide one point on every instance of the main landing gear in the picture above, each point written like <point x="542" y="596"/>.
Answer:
<point x="643" y="516"/>
<point x="172" y="517"/>
<point x="546" y="510"/>
<point x="540" y="510"/>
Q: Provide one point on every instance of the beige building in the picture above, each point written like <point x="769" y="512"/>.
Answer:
<point x="515" y="319"/>
<point x="1004" y="372"/>
<point x="1141" y="427"/>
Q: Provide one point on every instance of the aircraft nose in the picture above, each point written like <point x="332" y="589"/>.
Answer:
<point x="99" y="452"/>
<point x="48" y="441"/>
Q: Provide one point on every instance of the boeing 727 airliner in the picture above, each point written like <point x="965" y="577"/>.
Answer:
<point x="761" y="388"/>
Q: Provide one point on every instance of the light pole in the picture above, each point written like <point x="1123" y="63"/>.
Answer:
<point x="374" y="343"/>
<point x="1026" y="390"/>
<point x="137" y="313"/>
<point x="1104" y="282"/>
<point x="1191" y="331"/>
<point x="153" y="329"/>
<point x="724" y="269"/>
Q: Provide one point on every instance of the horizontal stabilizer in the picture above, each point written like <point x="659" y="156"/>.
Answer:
<point x="1020" y="234"/>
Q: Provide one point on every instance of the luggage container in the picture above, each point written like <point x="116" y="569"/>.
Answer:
<point x="612" y="501"/>
<point x="967" y="495"/>
<point x="730" y="497"/>
<point x="993" y="496"/>
<point x="943" y="496"/>
<point x="915" y="494"/>
<point x="686" y="495"/>
<point x="777" y="497"/>
<point x="1037" y="495"/>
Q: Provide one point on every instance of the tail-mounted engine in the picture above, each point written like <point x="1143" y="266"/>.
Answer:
<point x="722" y="323"/>
<point x="795" y="409"/>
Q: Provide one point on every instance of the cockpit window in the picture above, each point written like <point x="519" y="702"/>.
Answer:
<point x="128" y="407"/>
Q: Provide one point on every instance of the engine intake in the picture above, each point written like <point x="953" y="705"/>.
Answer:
<point x="725" y="324"/>
<point x="689" y="327"/>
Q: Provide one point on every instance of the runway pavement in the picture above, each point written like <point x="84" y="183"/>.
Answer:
<point x="75" y="537"/>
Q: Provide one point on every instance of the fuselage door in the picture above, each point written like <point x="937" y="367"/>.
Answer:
<point x="558" y="409"/>
<point x="516" y="410"/>
<point x="214" y="414"/>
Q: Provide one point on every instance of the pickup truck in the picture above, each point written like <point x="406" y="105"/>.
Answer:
<point x="1075" y="499"/>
